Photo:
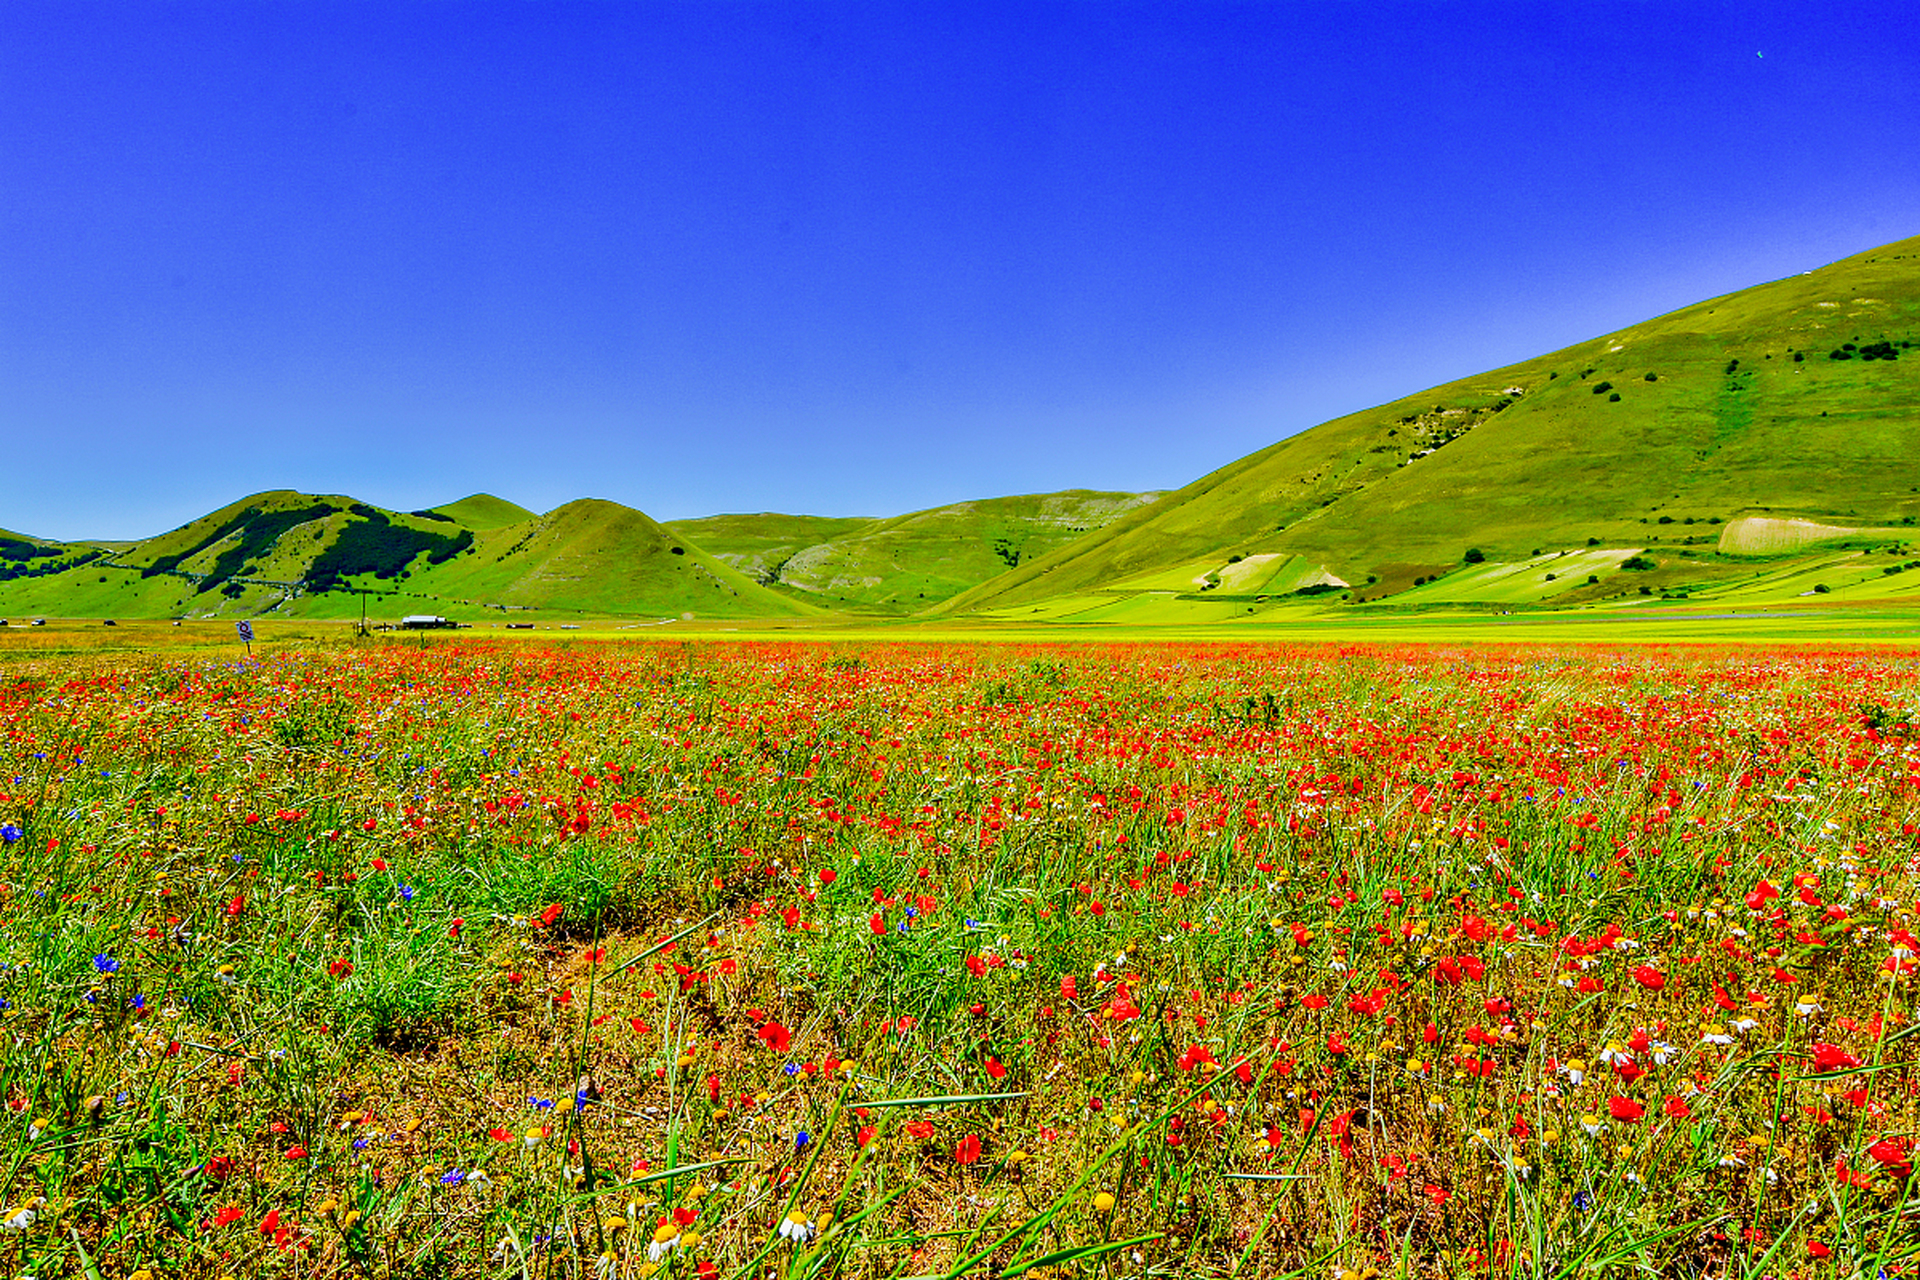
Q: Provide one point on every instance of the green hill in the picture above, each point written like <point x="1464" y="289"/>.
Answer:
<point x="482" y="511"/>
<point x="305" y="555"/>
<point x="904" y="563"/>
<point x="1799" y="398"/>
<point x="1753" y="448"/>
<point x="600" y="557"/>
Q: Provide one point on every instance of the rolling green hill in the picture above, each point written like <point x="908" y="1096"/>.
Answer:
<point x="904" y="563"/>
<point x="600" y="557"/>
<point x="483" y="511"/>
<point x="1799" y="398"/>
<point x="1751" y="449"/>
<point x="305" y="555"/>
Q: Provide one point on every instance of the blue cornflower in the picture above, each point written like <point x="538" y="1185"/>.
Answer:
<point x="9" y="833"/>
<point x="106" y="964"/>
<point x="801" y="1139"/>
<point x="452" y="1178"/>
<point x="540" y="1104"/>
<point x="792" y="1068"/>
<point x="406" y="893"/>
<point x="1582" y="1201"/>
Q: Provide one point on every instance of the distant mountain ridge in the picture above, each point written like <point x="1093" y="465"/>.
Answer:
<point x="1758" y="446"/>
<point x="316" y="555"/>
<point x="313" y="555"/>
<point x="904" y="564"/>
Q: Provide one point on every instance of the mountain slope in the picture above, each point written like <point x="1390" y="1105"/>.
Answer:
<point x="904" y="563"/>
<point x="308" y="555"/>
<point x="599" y="556"/>
<point x="1799" y="397"/>
<point x="480" y="511"/>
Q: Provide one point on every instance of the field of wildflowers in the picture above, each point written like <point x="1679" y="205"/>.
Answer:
<point x="797" y="960"/>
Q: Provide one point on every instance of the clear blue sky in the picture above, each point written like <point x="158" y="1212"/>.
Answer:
<point x="862" y="258"/>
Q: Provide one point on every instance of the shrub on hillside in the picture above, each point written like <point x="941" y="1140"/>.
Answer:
<point x="18" y="550"/>
<point x="375" y="545"/>
<point x="260" y="532"/>
<point x="1638" y="563"/>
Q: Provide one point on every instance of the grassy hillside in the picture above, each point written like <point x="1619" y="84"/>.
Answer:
<point x="1799" y="398"/>
<point x="1752" y="449"/>
<point x="302" y="555"/>
<point x="904" y="563"/>
<point x="597" y="556"/>
<point x="483" y="511"/>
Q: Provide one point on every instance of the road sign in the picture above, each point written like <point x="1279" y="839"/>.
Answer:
<point x="245" y="629"/>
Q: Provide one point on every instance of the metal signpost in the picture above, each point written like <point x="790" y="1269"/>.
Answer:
<point x="245" y="628"/>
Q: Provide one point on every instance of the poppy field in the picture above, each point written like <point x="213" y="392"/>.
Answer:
<point x="777" y="959"/>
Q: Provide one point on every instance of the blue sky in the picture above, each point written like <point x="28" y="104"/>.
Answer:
<point x="861" y="258"/>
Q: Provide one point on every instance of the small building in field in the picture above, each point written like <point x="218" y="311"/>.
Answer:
<point x="425" y="622"/>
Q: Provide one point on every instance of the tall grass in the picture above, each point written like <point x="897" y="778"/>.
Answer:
<point x="958" y="961"/>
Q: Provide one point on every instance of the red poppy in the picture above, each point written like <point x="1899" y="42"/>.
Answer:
<point x="776" y="1036"/>
<point x="1831" y="1057"/>
<point x="1893" y="1155"/>
<point x="968" y="1151"/>
<point x="1625" y="1109"/>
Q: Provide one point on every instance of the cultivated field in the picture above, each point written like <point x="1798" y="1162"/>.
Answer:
<point x="467" y="957"/>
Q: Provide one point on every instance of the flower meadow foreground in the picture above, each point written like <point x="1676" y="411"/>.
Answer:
<point x="754" y="959"/>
